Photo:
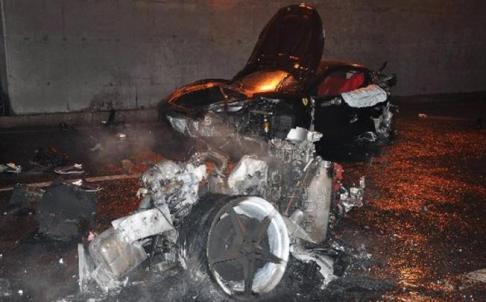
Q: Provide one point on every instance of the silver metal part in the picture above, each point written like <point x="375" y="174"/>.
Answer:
<point x="383" y="124"/>
<point x="365" y="97"/>
<point x="299" y="134"/>
<point x="317" y="202"/>
<point x="352" y="197"/>
<point x="85" y="268"/>
<point x="114" y="258"/>
<point x="141" y="225"/>
<point x="248" y="177"/>
<point x="332" y="102"/>
<point x="211" y="125"/>
<point x="292" y="177"/>
<point x="173" y="187"/>
<point x="295" y="230"/>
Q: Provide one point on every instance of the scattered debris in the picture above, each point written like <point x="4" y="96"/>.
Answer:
<point x="325" y="262"/>
<point x="121" y="136"/>
<point x="71" y="169"/>
<point x="367" y="137"/>
<point x="65" y="211"/>
<point x="97" y="147"/>
<point x="49" y="158"/>
<point x="142" y="224"/>
<point x="117" y="251"/>
<point x="113" y="258"/>
<point x="350" y="198"/>
<point x="10" y="168"/>
<point x="25" y="197"/>
<point x="86" y="186"/>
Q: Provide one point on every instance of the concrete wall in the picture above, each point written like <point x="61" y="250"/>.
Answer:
<point x="4" y="103"/>
<point x="72" y="55"/>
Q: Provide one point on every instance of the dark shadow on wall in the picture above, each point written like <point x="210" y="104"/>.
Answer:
<point x="4" y="103"/>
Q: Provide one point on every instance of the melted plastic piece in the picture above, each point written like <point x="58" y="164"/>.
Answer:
<point x="365" y="97"/>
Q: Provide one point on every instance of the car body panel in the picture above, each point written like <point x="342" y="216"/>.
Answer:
<point x="292" y="41"/>
<point x="285" y="84"/>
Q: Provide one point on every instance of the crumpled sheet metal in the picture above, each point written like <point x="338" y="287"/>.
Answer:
<point x="352" y="197"/>
<point x="365" y="97"/>
<point x="249" y="176"/>
<point x="141" y="225"/>
<point x="325" y="263"/>
<point x="172" y="186"/>
<point x="300" y="134"/>
<point x="113" y="257"/>
<point x="219" y="158"/>
<point x="118" y="250"/>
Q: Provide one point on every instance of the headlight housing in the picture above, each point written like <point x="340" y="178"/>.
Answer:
<point x="231" y="107"/>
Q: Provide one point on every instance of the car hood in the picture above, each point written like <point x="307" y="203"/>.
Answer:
<point x="292" y="40"/>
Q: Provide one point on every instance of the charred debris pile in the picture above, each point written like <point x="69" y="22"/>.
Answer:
<point x="235" y="226"/>
<point x="239" y="227"/>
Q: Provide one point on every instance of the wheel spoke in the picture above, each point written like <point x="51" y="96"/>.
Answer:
<point x="266" y="255"/>
<point x="248" y="264"/>
<point x="240" y="230"/>
<point x="228" y="256"/>
<point x="261" y="229"/>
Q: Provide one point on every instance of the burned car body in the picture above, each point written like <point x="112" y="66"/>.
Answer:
<point x="284" y="85"/>
<point x="232" y="228"/>
<point x="234" y="222"/>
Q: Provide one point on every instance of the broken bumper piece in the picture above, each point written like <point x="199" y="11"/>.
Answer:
<point x="118" y="250"/>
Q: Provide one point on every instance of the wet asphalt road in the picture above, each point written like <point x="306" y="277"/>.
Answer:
<point x="423" y="222"/>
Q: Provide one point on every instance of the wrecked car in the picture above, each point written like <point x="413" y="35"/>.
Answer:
<point x="231" y="222"/>
<point x="285" y="85"/>
<point x="232" y="228"/>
